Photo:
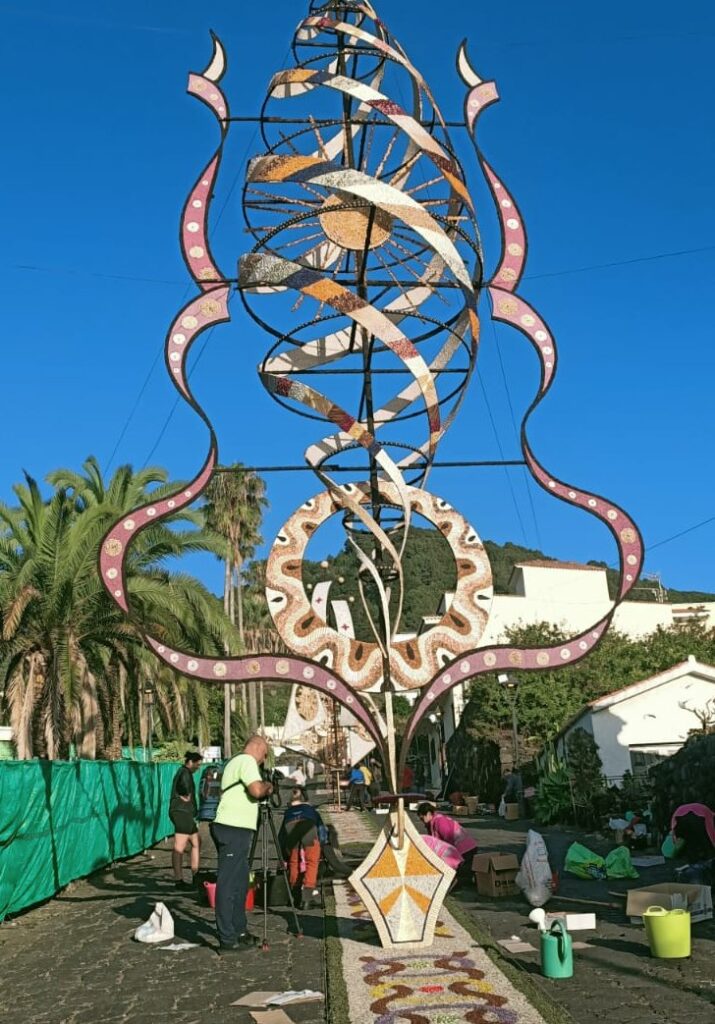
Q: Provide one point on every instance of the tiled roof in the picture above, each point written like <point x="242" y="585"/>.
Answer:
<point x="552" y="563"/>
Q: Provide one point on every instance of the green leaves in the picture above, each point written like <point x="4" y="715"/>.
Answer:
<point x="553" y="797"/>
<point x="63" y="641"/>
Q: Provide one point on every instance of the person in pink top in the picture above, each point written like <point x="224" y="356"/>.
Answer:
<point x="694" y="825"/>
<point x="448" y="840"/>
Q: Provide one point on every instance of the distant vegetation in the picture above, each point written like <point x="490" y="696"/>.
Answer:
<point x="429" y="573"/>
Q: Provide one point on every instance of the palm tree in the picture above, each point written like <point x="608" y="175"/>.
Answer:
<point x="71" y="665"/>
<point x="235" y="500"/>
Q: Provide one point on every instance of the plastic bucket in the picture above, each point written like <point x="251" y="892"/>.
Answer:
<point x="210" y="888"/>
<point x="668" y="932"/>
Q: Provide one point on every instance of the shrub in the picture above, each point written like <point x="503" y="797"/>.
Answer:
<point x="553" y="796"/>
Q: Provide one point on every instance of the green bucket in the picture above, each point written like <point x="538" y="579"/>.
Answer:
<point x="668" y="932"/>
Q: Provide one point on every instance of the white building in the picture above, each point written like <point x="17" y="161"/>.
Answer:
<point x="572" y="597"/>
<point x="640" y="724"/>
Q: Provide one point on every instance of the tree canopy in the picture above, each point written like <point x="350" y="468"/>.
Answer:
<point x="546" y="701"/>
<point x="74" y="671"/>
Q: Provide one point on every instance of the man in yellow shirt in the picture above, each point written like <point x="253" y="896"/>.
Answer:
<point x="233" y="829"/>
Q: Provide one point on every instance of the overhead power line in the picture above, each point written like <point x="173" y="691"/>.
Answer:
<point x="35" y="268"/>
<point x="681" y="533"/>
<point x="619" y="263"/>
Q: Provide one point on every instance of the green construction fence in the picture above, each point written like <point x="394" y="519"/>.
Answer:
<point x="64" y="820"/>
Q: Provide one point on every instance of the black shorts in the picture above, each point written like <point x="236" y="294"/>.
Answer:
<point x="183" y="821"/>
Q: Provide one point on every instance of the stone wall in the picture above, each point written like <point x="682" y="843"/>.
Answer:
<point x="685" y="778"/>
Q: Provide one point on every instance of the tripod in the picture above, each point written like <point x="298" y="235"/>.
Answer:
<point x="267" y="829"/>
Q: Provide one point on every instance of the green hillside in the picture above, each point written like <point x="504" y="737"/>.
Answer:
<point x="429" y="573"/>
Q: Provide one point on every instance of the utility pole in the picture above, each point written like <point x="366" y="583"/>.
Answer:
<point x="511" y="687"/>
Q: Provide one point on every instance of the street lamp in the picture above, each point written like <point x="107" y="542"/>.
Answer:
<point x="436" y="719"/>
<point x="511" y="686"/>
<point x="148" y="696"/>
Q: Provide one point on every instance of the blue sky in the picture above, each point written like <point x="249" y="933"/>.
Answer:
<point x="603" y="135"/>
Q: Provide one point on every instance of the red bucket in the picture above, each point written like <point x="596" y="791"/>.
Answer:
<point x="210" y="888"/>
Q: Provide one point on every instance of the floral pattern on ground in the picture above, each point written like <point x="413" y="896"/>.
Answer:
<point x="444" y="988"/>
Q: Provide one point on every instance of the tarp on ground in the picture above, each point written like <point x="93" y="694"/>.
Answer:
<point x="63" y="820"/>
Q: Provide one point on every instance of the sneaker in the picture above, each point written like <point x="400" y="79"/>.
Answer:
<point x="185" y="886"/>
<point x="247" y="940"/>
<point x="311" y="898"/>
<point x="228" y="950"/>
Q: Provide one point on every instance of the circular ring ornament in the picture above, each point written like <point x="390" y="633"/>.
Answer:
<point x="414" y="661"/>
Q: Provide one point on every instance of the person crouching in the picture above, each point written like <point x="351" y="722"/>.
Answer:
<point x="300" y="841"/>
<point x="444" y="831"/>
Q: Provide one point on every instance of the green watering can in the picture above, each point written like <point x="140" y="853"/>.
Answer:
<point x="556" y="952"/>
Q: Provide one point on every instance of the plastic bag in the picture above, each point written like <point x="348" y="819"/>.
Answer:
<point x="618" y="864"/>
<point x="584" y="863"/>
<point x="159" y="927"/>
<point x="451" y="856"/>
<point x="534" y="877"/>
<point x="617" y="824"/>
<point x="671" y="846"/>
<point x="502" y="808"/>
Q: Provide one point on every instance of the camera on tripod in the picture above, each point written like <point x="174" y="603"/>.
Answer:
<point x="274" y="778"/>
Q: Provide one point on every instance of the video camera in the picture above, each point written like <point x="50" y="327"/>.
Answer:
<point x="274" y="778"/>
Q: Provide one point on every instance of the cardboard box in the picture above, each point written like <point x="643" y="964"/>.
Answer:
<point x="671" y="896"/>
<point x="512" y="812"/>
<point x="496" y="873"/>
<point x="572" y="922"/>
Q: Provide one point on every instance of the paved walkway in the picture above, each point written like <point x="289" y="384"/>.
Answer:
<point x="615" y="979"/>
<point x="73" y="960"/>
<point x="453" y="981"/>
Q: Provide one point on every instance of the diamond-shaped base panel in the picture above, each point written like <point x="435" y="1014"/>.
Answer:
<point x="402" y="889"/>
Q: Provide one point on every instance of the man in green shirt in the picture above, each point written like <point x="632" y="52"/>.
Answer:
<point x="233" y="829"/>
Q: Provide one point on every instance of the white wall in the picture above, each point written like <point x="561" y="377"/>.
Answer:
<point x="633" y="618"/>
<point x="561" y="585"/>
<point x="652" y="720"/>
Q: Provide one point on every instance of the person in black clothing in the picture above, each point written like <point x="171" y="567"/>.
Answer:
<point x="299" y="831"/>
<point x="182" y="812"/>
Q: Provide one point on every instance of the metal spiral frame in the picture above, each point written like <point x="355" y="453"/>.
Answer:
<point x="376" y="314"/>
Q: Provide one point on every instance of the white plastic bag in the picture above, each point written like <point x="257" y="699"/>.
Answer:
<point x="617" y="824"/>
<point x="534" y="877"/>
<point x="159" y="927"/>
<point x="502" y="808"/>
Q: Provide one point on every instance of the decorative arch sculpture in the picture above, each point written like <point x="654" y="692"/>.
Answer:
<point x="358" y="208"/>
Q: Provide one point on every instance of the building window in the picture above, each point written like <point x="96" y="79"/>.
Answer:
<point x="642" y="760"/>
